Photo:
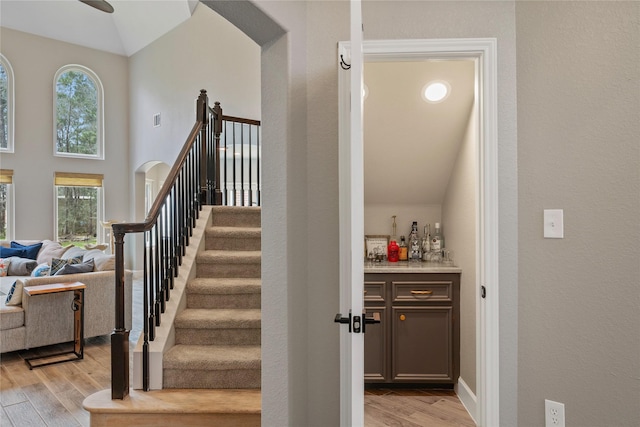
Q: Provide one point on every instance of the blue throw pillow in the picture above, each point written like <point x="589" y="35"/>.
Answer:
<point x="31" y="250"/>
<point x="9" y="252"/>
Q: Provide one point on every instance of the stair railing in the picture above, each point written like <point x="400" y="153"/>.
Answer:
<point x="197" y="178"/>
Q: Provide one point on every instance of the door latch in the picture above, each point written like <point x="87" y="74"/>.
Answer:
<point x="357" y="323"/>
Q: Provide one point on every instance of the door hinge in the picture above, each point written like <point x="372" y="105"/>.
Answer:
<point x="483" y="292"/>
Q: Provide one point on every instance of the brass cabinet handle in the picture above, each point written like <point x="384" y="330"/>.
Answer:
<point x="421" y="292"/>
<point x="365" y="292"/>
<point x="403" y="317"/>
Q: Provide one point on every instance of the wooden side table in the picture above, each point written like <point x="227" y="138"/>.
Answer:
<point x="78" y="320"/>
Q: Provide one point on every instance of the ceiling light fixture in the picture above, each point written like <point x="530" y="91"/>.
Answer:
<point x="102" y="5"/>
<point x="436" y="91"/>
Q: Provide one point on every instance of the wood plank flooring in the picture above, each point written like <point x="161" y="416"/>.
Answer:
<point x="414" y="408"/>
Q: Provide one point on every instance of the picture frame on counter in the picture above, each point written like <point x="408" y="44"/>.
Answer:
<point x="376" y="243"/>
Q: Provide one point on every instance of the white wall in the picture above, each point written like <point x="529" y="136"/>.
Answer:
<point x="459" y="216"/>
<point x="204" y="52"/>
<point x="378" y="218"/>
<point x="35" y="61"/>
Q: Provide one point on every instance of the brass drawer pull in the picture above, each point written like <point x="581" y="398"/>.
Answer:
<point x="365" y="292"/>
<point x="421" y="292"/>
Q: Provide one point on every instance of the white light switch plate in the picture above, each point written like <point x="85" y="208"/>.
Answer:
<point x="553" y="224"/>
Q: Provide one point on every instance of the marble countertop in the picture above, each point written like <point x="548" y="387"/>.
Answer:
<point x="409" y="267"/>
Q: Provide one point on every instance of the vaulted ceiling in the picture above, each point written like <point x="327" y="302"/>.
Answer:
<point x="133" y="24"/>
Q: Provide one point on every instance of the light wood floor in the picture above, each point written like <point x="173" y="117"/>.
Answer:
<point x="414" y="408"/>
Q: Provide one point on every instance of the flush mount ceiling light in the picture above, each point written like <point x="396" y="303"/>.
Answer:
<point x="102" y="5"/>
<point x="436" y="91"/>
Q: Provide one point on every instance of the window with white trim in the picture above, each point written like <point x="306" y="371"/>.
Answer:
<point x="6" y="204"/>
<point x="6" y="105"/>
<point x="78" y="208"/>
<point x="78" y="113"/>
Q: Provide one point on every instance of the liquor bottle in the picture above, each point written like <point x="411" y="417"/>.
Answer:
<point x="437" y="241"/>
<point x="394" y="228"/>
<point x="394" y="250"/>
<point x="426" y="242"/>
<point x="415" y="252"/>
<point x="402" y="252"/>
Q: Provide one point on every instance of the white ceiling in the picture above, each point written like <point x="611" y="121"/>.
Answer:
<point x="133" y="24"/>
<point x="410" y="144"/>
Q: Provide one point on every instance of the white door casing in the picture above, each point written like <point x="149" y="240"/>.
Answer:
<point x="351" y="167"/>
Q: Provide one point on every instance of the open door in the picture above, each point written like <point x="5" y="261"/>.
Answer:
<point x="351" y="169"/>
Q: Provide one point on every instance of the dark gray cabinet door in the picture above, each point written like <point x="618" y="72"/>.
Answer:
<point x="375" y="347"/>
<point x="422" y="345"/>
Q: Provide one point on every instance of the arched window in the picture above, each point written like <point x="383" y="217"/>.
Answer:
<point x="77" y="113"/>
<point x="6" y="105"/>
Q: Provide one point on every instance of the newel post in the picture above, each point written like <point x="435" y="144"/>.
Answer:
<point x="120" y="335"/>
<point x="202" y="115"/>
<point x="217" y="130"/>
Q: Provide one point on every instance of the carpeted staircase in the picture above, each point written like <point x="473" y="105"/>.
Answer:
<point x="218" y="334"/>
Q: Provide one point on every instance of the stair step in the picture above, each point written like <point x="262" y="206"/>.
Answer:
<point x="205" y="292"/>
<point x="200" y="318"/>
<point x="221" y="286"/>
<point x="233" y="238"/>
<point x="176" y="407"/>
<point x="209" y="366"/>
<point x="231" y="216"/>
<point x="216" y="263"/>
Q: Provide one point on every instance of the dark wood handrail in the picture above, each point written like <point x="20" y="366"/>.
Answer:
<point x="241" y="120"/>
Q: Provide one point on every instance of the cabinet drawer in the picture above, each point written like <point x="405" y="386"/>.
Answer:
<point x="374" y="291"/>
<point x="422" y="291"/>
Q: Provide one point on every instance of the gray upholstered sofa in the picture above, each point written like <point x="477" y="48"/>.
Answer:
<point x="48" y="319"/>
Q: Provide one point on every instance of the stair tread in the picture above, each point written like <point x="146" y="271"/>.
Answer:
<point x="207" y="318"/>
<point x="177" y="401"/>
<point x="212" y="357"/>
<point x="228" y="286"/>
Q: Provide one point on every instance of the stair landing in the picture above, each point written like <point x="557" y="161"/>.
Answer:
<point x="174" y="407"/>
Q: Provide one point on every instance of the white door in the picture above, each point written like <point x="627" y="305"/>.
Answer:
<point x="486" y="411"/>
<point x="352" y="231"/>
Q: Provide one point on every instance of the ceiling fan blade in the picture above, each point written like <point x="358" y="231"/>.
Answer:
<point x="102" y="5"/>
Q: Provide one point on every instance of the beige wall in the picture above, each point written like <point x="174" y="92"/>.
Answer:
<point x="579" y="150"/>
<point x="459" y="216"/>
<point x="35" y="61"/>
<point x="302" y="382"/>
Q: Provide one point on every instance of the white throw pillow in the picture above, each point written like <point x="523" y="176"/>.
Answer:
<point x="14" y="297"/>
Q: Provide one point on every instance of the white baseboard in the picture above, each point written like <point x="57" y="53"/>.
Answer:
<point x="468" y="398"/>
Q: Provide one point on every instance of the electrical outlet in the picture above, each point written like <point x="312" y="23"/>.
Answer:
<point x="553" y="413"/>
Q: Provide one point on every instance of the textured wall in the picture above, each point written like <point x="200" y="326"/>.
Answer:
<point x="35" y="61"/>
<point x="578" y="150"/>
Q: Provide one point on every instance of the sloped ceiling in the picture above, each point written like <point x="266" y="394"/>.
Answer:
<point x="133" y="24"/>
<point x="410" y="146"/>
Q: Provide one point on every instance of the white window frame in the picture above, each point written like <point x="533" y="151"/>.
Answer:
<point x="10" y="214"/>
<point x="100" y="114"/>
<point x="10" y="105"/>
<point x="100" y="231"/>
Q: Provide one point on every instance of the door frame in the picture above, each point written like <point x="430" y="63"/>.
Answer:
<point x="484" y="51"/>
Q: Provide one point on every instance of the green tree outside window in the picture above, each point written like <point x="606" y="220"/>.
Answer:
<point x="76" y="114"/>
